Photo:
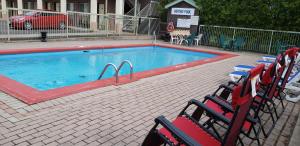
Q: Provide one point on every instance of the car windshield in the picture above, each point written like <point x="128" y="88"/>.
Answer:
<point x="29" y="13"/>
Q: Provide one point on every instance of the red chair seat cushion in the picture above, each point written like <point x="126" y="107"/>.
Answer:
<point x="212" y="105"/>
<point x="193" y="130"/>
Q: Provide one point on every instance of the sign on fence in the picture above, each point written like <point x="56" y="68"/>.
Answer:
<point x="194" y="20"/>
<point x="183" y="23"/>
<point x="183" y="11"/>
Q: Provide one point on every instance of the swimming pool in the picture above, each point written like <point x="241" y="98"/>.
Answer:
<point x="44" y="73"/>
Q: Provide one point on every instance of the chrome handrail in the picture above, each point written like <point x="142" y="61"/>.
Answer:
<point x="105" y="68"/>
<point x="117" y="69"/>
<point x="121" y="65"/>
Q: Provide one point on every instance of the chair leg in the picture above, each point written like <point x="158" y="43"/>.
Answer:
<point x="240" y="141"/>
<point x="273" y="120"/>
<point x="197" y="114"/>
<point x="187" y="42"/>
<point x="282" y="104"/>
<point x="262" y="127"/>
<point x="256" y="136"/>
<point x="180" y="42"/>
<point x="275" y="110"/>
<point x="152" y="139"/>
<point x="210" y="124"/>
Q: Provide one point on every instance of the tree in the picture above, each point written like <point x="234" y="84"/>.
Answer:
<point x="161" y="8"/>
<point x="264" y="14"/>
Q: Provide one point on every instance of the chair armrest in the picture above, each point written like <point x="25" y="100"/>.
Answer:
<point x="175" y="131"/>
<point x="220" y="102"/>
<point x="242" y="77"/>
<point x="222" y="86"/>
<point x="227" y="107"/>
<point x="233" y="83"/>
<point x="264" y="97"/>
<point x="209" y="111"/>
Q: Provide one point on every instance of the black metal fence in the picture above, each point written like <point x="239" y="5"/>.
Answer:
<point x="255" y="40"/>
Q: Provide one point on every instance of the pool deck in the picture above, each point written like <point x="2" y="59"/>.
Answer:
<point x="123" y="114"/>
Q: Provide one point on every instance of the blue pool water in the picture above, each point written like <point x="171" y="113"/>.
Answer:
<point x="44" y="71"/>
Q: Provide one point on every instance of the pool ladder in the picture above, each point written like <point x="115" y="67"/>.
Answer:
<point x="117" y="69"/>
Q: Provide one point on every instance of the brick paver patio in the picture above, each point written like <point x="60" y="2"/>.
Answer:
<point x="121" y="115"/>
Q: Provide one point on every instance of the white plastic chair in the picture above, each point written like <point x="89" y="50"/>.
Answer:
<point x="198" y="39"/>
<point x="182" y="40"/>
<point x="174" y="39"/>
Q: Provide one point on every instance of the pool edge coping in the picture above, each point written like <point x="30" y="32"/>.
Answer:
<point x="31" y="96"/>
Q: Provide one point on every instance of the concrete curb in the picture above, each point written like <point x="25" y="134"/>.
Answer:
<point x="295" y="141"/>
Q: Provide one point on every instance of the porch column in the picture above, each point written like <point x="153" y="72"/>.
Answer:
<point x="119" y="7"/>
<point x="39" y="4"/>
<point x="106" y="7"/>
<point x="93" y="21"/>
<point x="119" y="15"/>
<point x="20" y="6"/>
<point x="63" y="6"/>
<point x="4" y="9"/>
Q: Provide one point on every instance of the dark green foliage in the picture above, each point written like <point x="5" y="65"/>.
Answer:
<point x="264" y="14"/>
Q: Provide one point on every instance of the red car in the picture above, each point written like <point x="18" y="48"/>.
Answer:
<point x="40" y="20"/>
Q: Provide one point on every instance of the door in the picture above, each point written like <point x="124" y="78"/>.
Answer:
<point x="101" y="9"/>
<point x="101" y="22"/>
<point x="57" y="7"/>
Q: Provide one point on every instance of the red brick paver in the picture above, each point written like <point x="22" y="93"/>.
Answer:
<point x="120" y="115"/>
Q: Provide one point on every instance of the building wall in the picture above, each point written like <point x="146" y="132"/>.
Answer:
<point x="29" y="4"/>
<point x="78" y="5"/>
<point x="111" y="6"/>
<point x="11" y="3"/>
<point x="173" y="18"/>
<point x="144" y="3"/>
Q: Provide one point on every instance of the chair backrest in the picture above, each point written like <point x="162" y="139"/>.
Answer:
<point x="239" y="41"/>
<point x="291" y="54"/>
<point x="222" y="38"/>
<point x="200" y="36"/>
<point x="241" y="109"/>
<point x="269" y="81"/>
<point x="280" y="65"/>
<point x="222" y="41"/>
<point x="269" y="74"/>
<point x="254" y="75"/>
<point x="241" y="99"/>
<point x="192" y="36"/>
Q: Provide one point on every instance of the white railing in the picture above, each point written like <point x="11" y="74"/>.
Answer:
<point x="25" y="24"/>
<point x="28" y="24"/>
<point x="87" y="24"/>
<point x="249" y="39"/>
<point x="122" y="24"/>
<point x="148" y="25"/>
<point x="149" y="10"/>
<point x="3" y="25"/>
